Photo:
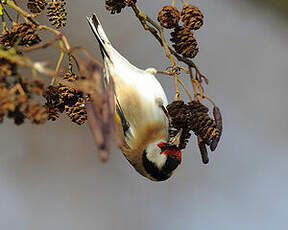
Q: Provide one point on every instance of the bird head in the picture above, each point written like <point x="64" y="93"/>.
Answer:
<point x="161" y="158"/>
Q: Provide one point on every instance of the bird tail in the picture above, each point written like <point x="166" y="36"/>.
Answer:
<point x="100" y="35"/>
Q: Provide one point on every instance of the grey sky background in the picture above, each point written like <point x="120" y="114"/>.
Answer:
<point x="51" y="177"/>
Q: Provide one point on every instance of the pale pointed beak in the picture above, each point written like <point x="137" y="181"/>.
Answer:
<point x="176" y="139"/>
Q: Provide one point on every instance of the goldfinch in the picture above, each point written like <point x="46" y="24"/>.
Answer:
<point x="140" y="116"/>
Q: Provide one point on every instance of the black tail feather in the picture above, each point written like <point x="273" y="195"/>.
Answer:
<point x="94" y="24"/>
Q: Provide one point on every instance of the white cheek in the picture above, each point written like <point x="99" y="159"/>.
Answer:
<point x="154" y="155"/>
<point x="161" y="161"/>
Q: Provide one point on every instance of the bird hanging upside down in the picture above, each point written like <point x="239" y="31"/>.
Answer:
<point x="140" y="115"/>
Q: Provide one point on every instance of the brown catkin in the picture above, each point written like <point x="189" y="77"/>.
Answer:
<point x="56" y="13"/>
<point x="219" y="124"/>
<point x="203" y="151"/>
<point x="36" y="6"/>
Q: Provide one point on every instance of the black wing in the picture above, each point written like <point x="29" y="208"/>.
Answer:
<point x="124" y="122"/>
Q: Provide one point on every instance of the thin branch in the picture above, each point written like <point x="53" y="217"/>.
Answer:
<point x="58" y="63"/>
<point x="25" y="14"/>
<point x="40" y="46"/>
<point x="8" y="16"/>
<point x="143" y="19"/>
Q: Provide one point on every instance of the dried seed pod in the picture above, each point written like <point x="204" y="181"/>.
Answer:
<point x="130" y="2"/>
<point x="53" y="104"/>
<point x="219" y="125"/>
<point x="218" y="118"/>
<point x="51" y="94"/>
<point x="6" y="68"/>
<point x="191" y="17"/>
<point x="169" y="17"/>
<point x="53" y="112"/>
<point x="184" y="42"/>
<point x="77" y="112"/>
<point x="174" y="107"/>
<point x="192" y="116"/>
<point x="36" y="113"/>
<point x="115" y="6"/>
<point x="24" y="33"/>
<point x="67" y="95"/>
<point x="196" y="106"/>
<point x="201" y="124"/>
<point x="36" y="6"/>
<point x="179" y="118"/>
<point x="56" y="13"/>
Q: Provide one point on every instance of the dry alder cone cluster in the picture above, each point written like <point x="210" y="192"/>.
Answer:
<point x="64" y="98"/>
<point x="73" y="85"/>
<point x="194" y="116"/>
<point x="56" y="11"/>
<point x="24" y="34"/>
<point x="183" y="38"/>
<point x="22" y="97"/>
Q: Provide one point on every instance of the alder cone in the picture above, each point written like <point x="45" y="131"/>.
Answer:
<point x="169" y="17"/>
<point x="25" y="32"/>
<point x="184" y="42"/>
<point x="77" y="112"/>
<point x="36" y="6"/>
<point x="192" y="17"/>
<point x="115" y="6"/>
<point x="201" y="124"/>
<point x="179" y="114"/>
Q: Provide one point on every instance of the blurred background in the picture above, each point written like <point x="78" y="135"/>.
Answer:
<point x="51" y="176"/>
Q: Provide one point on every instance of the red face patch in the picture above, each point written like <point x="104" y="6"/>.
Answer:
<point x="170" y="150"/>
<point x="161" y="145"/>
<point x="173" y="152"/>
